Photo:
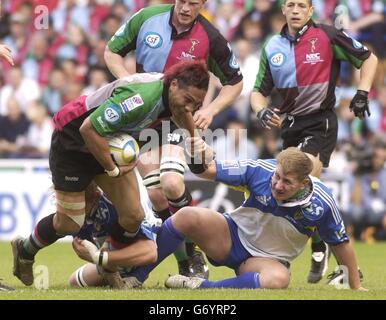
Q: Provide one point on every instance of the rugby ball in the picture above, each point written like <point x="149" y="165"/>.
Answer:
<point x="124" y="148"/>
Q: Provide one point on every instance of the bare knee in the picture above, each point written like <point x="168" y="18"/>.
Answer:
<point x="186" y="219"/>
<point x="274" y="279"/>
<point x="158" y="198"/>
<point x="172" y="185"/>
<point x="133" y="220"/>
<point x="64" y="225"/>
<point x="72" y="280"/>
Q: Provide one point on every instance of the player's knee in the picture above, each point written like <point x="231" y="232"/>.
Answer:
<point x="65" y="225"/>
<point x="186" y="219"/>
<point x="132" y="220"/>
<point x="274" y="279"/>
<point x="172" y="185"/>
<point x="157" y="198"/>
<point x="72" y="281"/>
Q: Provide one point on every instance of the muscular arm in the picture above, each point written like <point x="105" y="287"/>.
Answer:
<point x="226" y="97"/>
<point x="344" y="253"/>
<point x="367" y="73"/>
<point x="115" y="63"/>
<point x="97" y="145"/>
<point x="258" y="101"/>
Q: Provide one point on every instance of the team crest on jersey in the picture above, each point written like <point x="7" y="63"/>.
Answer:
<point x="263" y="199"/>
<point x="111" y="114"/>
<point x="153" y="40"/>
<point x="313" y="44"/>
<point x="233" y="63"/>
<point x="193" y="44"/>
<point x="277" y="59"/>
<point x="229" y="164"/>
<point x="314" y="208"/>
<point x="131" y="103"/>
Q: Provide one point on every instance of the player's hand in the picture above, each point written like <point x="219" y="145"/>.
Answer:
<point x="126" y="169"/>
<point x="196" y="147"/>
<point x="360" y="104"/>
<point x="6" y="53"/>
<point x="203" y="118"/>
<point x="268" y="118"/>
<point x="85" y="250"/>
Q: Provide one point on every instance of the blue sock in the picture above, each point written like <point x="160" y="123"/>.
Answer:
<point x="249" y="280"/>
<point x="168" y="239"/>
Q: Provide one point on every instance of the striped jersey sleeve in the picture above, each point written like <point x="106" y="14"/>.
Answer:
<point x="345" y="47"/>
<point x="244" y="172"/>
<point x="330" y="225"/>
<point x="264" y="81"/>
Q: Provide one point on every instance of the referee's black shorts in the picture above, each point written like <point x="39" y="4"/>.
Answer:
<point x="314" y="133"/>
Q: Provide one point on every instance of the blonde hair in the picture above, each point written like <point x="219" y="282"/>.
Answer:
<point x="295" y="161"/>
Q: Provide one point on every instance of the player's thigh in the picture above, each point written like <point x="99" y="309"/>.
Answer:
<point x="123" y="192"/>
<point x="272" y="273"/>
<point x="208" y="228"/>
<point x="149" y="161"/>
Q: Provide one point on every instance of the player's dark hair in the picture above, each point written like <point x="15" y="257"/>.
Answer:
<point x="188" y="73"/>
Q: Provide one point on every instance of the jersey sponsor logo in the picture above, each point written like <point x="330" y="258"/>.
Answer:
<point x="313" y="58"/>
<point x="233" y="63"/>
<point x="277" y="59"/>
<point x="229" y="164"/>
<point x="185" y="56"/>
<point x="101" y="216"/>
<point x="71" y="179"/>
<point x="111" y="114"/>
<point x="153" y="40"/>
<point x="131" y="103"/>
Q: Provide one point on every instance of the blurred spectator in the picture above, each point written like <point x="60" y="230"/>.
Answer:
<point x="38" y="139"/>
<point x="13" y="128"/>
<point x="368" y="185"/>
<point x="234" y="144"/>
<point x="227" y="19"/>
<point x="377" y="121"/>
<point x="96" y="78"/>
<point x="70" y="11"/>
<point x="52" y="96"/>
<point x="24" y="90"/>
<point x="249" y="66"/>
<point x="38" y="64"/>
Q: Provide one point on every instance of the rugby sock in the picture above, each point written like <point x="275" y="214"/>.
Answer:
<point x="180" y="252"/>
<point x="168" y="239"/>
<point x="318" y="246"/>
<point x="315" y="238"/>
<point x="43" y="235"/>
<point x="249" y="280"/>
<point x="120" y="237"/>
<point x="162" y="214"/>
<point x="183" y="201"/>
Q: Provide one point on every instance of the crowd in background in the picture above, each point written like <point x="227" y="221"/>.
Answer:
<point x="58" y="53"/>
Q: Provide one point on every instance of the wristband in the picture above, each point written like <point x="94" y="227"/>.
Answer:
<point x="103" y="258"/>
<point x="113" y="173"/>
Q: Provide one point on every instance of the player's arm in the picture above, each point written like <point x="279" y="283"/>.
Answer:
<point x="344" y="253"/>
<point x="115" y="63"/>
<point x="367" y="73"/>
<point x="6" y="53"/>
<point x="266" y="117"/>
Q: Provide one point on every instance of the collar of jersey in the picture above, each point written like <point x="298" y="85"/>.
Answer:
<point x="299" y="34"/>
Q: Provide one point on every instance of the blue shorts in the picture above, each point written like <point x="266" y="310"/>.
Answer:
<point x="238" y="253"/>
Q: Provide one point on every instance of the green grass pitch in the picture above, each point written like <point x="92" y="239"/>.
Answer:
<point x="61" y="262"/>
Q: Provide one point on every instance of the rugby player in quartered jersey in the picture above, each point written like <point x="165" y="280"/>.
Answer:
<point x="80" y="153"/>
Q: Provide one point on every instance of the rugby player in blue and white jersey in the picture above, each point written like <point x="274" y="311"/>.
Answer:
<point x="109" y="262"/>
<point x="258" y="240"/>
